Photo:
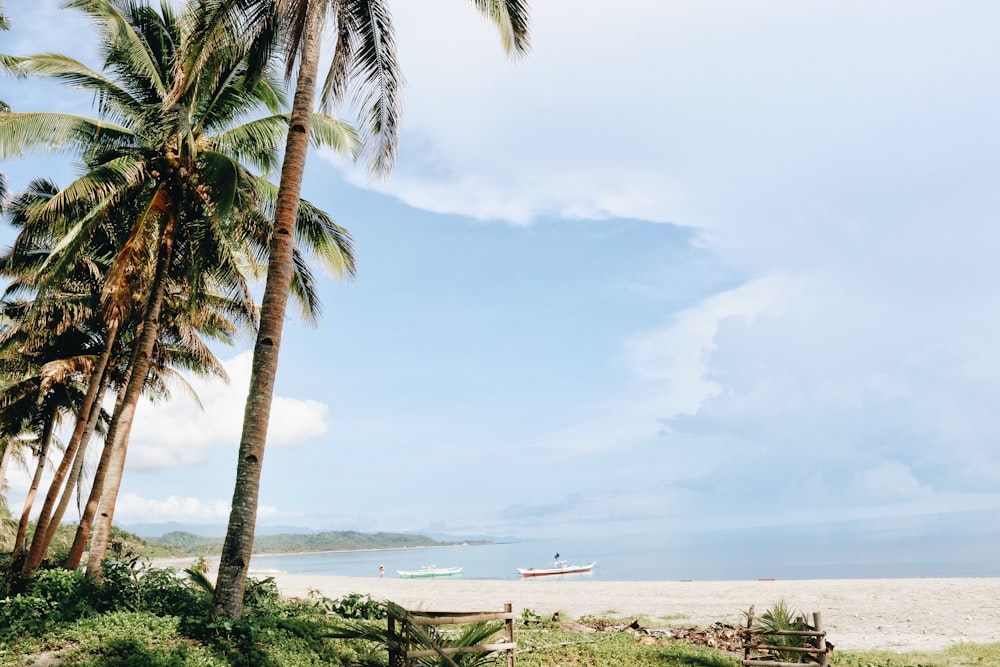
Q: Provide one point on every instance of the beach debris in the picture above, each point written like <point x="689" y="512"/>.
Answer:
<point x="721" y="636"/>
<point x="573" y="626"/>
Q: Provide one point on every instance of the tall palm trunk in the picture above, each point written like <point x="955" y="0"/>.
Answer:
<point x="6" y="447"/>
<point x="97" y="484"/>
<point x="133" y="391"/>
<point x="74" y="475"/>
<point x="40" y="542"/>
<point x="43" y="454"/>
<point x="238" y="546"/>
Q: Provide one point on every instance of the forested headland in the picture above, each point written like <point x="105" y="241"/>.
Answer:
<point x="181" y="543"/>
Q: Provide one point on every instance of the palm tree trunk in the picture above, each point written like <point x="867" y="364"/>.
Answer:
<point x="41" y="540"/>
<point x="6" y="525"/>
<point x="74" y="474"/>
<point x="6" y="447"/>
<point x="97" y="485"/>
<point x="238" y="546"/>
<point x="7" y="530"/>
<point x="43" y="453"/>
<point x="150" y="329"/>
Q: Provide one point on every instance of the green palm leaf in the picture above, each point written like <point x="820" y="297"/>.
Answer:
<point x="22" y="133"/>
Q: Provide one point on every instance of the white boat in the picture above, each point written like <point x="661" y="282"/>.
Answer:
<point x="430" y="571"/>
<point x="556" y="567"/>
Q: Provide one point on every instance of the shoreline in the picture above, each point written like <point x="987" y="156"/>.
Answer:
<point x="898" y="615"/>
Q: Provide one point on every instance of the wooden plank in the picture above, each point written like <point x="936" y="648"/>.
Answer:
<point x="442" y="614"/>
<point x="461" y="620"/>
<point x="791" y="649"/>
<point x="791" y="633"/>
<point x="771" y="663"/>
<point x="482" y="648"/>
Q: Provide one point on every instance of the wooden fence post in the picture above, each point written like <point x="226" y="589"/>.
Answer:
<point x="508" y="609"/>
<point x="821" y="643"/>
<point x="395" y="657"/>
<point x="748" y="637"/>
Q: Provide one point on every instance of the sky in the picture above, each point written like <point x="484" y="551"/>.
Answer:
<point x="685" y="264"/>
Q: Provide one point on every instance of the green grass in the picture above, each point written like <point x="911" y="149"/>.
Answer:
<point x="158" y="618"/>
<point x="550" y="647"/>
<point x="961" y="655"/>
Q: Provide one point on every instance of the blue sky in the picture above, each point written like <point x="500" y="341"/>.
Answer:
<point x="685" y="261"/>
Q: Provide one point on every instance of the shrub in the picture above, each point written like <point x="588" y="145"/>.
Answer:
<point x="355" y="605"/>
<point x="51" y="597"/>
<point x="778" y="618"/>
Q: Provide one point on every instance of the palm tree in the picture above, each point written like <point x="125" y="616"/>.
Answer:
<point x="168" y="141"/>
<point x="43" y="369"/>
<point x="72" y="302"/>
<point x="364" y="56"/>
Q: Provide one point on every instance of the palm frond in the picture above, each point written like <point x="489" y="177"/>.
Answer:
<point x="30" y="132"/>
<point x="376" y="78"/>
<point x="74" y="73"/>
<point x="330" y="132"/>
<point x="127" y="46"/>
<point x="511" y="20"/>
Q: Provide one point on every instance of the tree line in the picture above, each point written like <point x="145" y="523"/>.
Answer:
<point x="120" y="281"/>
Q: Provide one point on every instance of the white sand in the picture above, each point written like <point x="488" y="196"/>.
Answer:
<point x="901" y="615"/>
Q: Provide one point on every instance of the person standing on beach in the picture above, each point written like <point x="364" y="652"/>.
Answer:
<point x="381" y="570"/>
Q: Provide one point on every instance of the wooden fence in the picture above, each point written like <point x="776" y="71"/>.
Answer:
<point x="756" y="653"/>
<point x="406" y="625"/>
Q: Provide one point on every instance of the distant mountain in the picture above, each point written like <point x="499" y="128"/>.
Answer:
<point x="493" y="539"/>
<point x="184" y="543"/>
<point x="148" y="530"/>
<point x="152" y="530"/>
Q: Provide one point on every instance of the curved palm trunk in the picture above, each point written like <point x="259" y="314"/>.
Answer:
<point x="126" y="414"/>
<point x="238" y="546"/>
<point x="40" y="542"/>
<point x="5" y="449"/>
<point x="74" y="475"/>
<point x="97" y="485"/>
<point x="43" y="453"/>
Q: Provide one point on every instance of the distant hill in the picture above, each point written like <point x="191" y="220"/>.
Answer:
<point x="147" y="530"/>
<point x="182" y="543"/>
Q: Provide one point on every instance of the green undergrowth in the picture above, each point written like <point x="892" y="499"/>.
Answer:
<point x="143" y="617"/>
<point x="550" y="646"/>
<point x="960" y="655"/>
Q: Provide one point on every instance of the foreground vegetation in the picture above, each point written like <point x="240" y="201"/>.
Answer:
<point x="145" y="617"/>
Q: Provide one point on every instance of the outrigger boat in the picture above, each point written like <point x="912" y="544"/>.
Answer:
<point x="556" y="567"/>
<point x="430" y="571"/>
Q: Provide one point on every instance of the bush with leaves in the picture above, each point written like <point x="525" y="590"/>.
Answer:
<point x="53" y="596"/>
<point x="354" y="605"/>
<point x="780" y="618"/>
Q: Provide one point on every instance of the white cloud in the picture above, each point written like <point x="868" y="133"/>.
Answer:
<point x="702" y="114"/>
<point x="178" y="433"/>
<point x="893" y="479"/>
<point x="132" y="508"/>
<point x="678" y="357"/>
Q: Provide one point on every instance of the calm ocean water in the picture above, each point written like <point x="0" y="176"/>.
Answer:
<point x="939" y="548"/>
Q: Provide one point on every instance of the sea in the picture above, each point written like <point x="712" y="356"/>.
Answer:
<point x="931" y="547"/>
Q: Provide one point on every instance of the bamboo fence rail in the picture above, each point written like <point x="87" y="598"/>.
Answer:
<point x="403" y="627"/>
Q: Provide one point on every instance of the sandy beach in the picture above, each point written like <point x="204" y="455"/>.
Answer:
<point x="899" y="615"/>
